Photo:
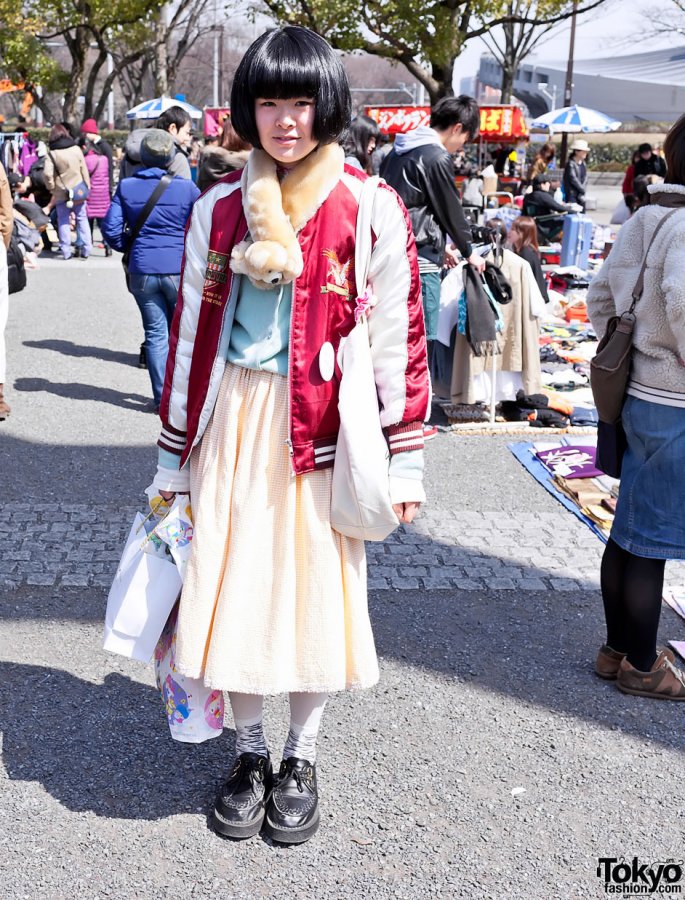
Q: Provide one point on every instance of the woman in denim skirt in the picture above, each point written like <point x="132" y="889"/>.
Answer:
<point x="649" y="526"/>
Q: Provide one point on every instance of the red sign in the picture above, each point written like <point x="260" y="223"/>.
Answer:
<point x="214" y="119"/>
<point x="497" y="123"/>
<point x="399" y="119"/>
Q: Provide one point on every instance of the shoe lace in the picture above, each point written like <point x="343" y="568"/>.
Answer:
<point x="254" y="773"/>
<point x="296" y="775"/>
<point x="679" y="674"/>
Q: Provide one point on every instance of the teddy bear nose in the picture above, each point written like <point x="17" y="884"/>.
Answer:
<point x="274" y="279"/>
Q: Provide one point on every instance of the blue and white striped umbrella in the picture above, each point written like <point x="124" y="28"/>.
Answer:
<point x="152" y="109"/>
<point x="574" y="119"/>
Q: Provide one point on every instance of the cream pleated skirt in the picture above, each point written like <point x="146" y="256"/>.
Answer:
<point x="274" y="600"/>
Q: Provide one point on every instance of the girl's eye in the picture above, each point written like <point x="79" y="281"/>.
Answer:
<point x="266" y="103"/>
<point x="304" y="103"/>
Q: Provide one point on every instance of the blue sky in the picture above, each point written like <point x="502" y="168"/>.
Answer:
<point x="605" y="32"/>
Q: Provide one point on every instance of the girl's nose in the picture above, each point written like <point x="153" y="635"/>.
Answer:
<point x="286" y="119"/>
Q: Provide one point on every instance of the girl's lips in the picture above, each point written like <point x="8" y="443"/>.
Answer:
<point x="285" y="140"/>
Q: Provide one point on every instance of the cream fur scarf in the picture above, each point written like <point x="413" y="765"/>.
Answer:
<point x="277" y="210"/>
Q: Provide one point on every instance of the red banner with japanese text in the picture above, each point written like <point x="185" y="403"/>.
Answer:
<point x="497" y="123"/>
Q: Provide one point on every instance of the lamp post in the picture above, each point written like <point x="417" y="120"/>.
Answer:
<point x="568" y="87"/>
<point x="542" y="87"/>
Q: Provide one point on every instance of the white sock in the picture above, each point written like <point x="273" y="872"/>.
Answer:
<point x="306" y="710"/>
<point x="248" y="713"/>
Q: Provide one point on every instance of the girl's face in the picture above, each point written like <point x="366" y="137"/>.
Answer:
<point x="285" y="128"/>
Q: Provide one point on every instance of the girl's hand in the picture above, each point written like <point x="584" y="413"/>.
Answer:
<point x="168" y="496"/>
<point x="405" y="512"/>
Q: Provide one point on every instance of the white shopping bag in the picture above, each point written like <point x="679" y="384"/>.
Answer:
<point x="145" y="588"/>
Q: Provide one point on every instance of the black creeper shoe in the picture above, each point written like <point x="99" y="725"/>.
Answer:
<point x="240" y="803"/>
<point x="292" y="811"/>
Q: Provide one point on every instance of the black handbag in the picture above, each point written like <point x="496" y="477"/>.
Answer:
<point x="16" y="271"/>
<point x="499" y="286"/>
<point x="163" y="184"/>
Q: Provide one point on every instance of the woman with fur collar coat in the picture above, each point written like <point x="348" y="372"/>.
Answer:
<point x="649" y="525"/>
<point x="274" y="600"/>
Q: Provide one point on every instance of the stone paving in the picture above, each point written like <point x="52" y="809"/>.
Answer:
<point x="64" y="545"/>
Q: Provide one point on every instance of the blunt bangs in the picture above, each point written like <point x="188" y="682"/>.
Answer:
<point x="292" y="62"/>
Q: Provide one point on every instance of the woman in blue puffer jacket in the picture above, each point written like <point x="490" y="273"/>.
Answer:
<point x="155" y="255"/>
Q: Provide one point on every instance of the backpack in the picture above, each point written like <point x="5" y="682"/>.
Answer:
<point x="16" y="270"/>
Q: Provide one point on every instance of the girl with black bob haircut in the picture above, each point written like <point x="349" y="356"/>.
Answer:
<point x="274" y="600"/>
<point x="292" y="62"/>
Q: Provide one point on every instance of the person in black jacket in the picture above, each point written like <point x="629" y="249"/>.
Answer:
<point x="574" y="183"/>
<point x="421" y="170"/>
<point x="649" y="163"/>
<point x="541" y="202"/>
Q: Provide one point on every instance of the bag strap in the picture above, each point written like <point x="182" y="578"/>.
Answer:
<point x="640" y="284"/>
<point x="362" y="244"/>
<point x="57" y="171"/>
<point x="164" y="183"/>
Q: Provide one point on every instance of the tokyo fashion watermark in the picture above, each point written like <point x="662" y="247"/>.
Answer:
<point x="632" y="878"/>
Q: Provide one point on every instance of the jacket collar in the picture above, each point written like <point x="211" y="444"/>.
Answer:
<point x="669" y="195"/>
<point x="277" y="210"/>
<point x="62" y="143"/>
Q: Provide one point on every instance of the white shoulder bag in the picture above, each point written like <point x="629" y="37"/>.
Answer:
<point x="360" y="503"/>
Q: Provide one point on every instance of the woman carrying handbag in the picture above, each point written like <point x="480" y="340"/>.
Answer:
<point x="274" y="599"/>
<point x="65" y="173"/>
<point x="645" y="276"/>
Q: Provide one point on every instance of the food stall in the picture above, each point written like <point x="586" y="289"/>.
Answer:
<point x="500" y="126"/>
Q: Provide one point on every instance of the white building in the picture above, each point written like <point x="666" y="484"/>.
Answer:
<point x="647" y="86"/>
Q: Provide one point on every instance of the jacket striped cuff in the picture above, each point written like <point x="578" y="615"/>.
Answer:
<point x="172" y="440"/>
<point x="405" y="436"/>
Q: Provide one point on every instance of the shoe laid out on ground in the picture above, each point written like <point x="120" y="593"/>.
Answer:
<point x="241" y="800"/>
<point x="664" y="681"/>
<point x="609" y="660"/>
<point x="429" y="432"/>
<point x="292" y="810"/>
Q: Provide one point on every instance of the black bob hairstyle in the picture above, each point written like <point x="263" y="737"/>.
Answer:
<point x="292" y="62"/>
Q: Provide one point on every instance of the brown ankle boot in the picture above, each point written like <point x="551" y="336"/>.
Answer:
<point x="5" y="409"/>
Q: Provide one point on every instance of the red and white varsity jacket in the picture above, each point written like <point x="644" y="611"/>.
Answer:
<point x="323" y="303"/>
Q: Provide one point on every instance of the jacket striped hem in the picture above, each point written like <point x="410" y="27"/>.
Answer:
<point x="324" y="453"/>
<point x="656" y="395"/>
<point x="172" y="439"/>
<point x="407" y="436"/>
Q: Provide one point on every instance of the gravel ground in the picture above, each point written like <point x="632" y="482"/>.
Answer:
<point x="488" y="762"/>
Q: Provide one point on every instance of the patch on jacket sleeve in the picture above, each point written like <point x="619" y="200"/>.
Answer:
<point x="217" y="264"/>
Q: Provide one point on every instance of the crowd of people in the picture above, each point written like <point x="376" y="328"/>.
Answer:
<point x="255" y="448"/>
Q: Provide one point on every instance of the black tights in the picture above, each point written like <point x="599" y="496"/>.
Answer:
<point x="631" y="590"/>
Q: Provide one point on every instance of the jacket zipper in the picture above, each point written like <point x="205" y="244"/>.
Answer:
<point x="289" y="441"/>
